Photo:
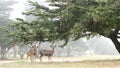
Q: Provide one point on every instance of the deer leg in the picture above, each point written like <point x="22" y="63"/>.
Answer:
<point x="41" y="58"/>
<point x="49" y="58"/>
<point x="34" y="57"/>
<point x="31" y="58"/>
<point x="27" y="56"/>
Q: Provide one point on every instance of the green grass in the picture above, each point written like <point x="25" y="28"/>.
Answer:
<point x="83" y="64"/>
<point x="96" y="61"/>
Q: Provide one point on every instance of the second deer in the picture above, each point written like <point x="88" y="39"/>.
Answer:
<point x="46" y="52"/>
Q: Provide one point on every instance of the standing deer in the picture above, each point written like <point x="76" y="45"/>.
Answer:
<point x="32" y="53"/>
<point x="48" y="53"/>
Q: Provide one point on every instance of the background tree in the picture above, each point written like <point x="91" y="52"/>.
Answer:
<point x="4" y="20"/>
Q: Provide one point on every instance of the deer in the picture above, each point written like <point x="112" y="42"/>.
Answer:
<point x="32" y="53"/>
<point x="48" y="53"/>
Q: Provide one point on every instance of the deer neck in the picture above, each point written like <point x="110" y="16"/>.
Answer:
<point x="53" y="49"/>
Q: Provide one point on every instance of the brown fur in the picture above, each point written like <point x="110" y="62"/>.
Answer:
<point x="48" y="53"/>
<point x="32" y="53"/>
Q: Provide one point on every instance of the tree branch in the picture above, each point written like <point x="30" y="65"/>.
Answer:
<point x="66" y="41"/>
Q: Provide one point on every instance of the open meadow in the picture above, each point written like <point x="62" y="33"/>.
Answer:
<point x="72" y="33"/>
<point x="95" y="61"/>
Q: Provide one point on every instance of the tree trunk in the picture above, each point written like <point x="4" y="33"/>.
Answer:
<point x="22" y="51"/>
<point x="3" y="52"/>
<point x="113" y="36"/>
<point x="15" y="51"/>
<point x="21" y="56"/>
<point x="3" y="55"/>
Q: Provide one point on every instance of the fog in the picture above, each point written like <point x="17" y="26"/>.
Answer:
<point x="97" y="45"/>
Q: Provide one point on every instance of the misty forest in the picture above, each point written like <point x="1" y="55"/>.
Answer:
<point x="76" y="33"/>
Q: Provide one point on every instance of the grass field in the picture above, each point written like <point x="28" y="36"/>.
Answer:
<point x="67" y="62"/>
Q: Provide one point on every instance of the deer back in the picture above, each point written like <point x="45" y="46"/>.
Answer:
<point x="46" y="52"/>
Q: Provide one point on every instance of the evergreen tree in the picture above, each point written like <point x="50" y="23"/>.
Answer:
<point x="71" y="19"/>
<point x="95" y="16"/>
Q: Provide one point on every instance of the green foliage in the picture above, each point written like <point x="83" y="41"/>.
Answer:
<point x="70" y="19"/>
<point x="95" y="16"/>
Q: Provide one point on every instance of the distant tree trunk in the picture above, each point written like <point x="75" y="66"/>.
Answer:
<point x="22" y="51"/>
<point x="15" y="51"/>
<point x="3" y="56"/>
<point x="3" y="51"/>
<point x="21" y="56"/>
<point x="68" y="51"/>
<point x="114" y="37"/>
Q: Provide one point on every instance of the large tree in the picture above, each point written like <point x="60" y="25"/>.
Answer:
<point x="72" y="19"/>
<point x="94" y="16"/>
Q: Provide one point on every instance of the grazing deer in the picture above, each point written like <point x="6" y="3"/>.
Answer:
<point x="32" y="53"/>
<point x="48" y="53"/>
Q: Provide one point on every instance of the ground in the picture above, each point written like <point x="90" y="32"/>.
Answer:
<point x="65" y="62"/>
